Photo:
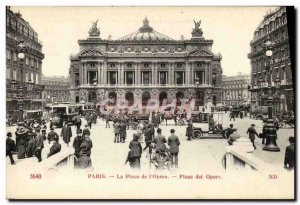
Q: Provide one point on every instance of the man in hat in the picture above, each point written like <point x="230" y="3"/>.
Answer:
<point x="77" y="143"/>
<point x="173" y="142"/>
<point x="39" y="145"/>
<point x="289" y="159"/>
<point x="66" y="133"/>
<point x="55" y="148"/>
<point x="116" y="126"/>
<point x="159" y="141"/>
<point x="51" y="135"/>
<point x="252" y="132"/>
<point x="189" y="130"/>
<point x="10" y="147"/>
<point x="231" y="115"/>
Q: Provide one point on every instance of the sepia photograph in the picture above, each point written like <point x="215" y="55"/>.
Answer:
<point x="150" y="102"/>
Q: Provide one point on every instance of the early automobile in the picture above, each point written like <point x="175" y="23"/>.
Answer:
<point x="32" y="115"/>
<point x="207" y="124"/>
<point x="64" y="112"/>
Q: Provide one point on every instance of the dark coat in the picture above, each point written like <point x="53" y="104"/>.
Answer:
<point x="56" y="147"/>
<point x="289" y="159"/>
<point x="135" y="149"/>
<point x="159" y="142"/>
<point x="86" y="147"/>
<point x="76" y="145"/>
<point x="66" y="133"/>
<point x="31" y="148"/>
<point x="189" y="130"/>
<point x="10" y="145"/>
<point x="40" y="141"/>
<point x="83" y="162"/>
<point x="173" y="142"/>
<point x="51" y="135"/>
<point x="252" y="132"/>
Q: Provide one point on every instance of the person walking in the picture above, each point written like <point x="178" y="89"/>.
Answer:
<point x="159" y="142"/>
<point x="21" y="140"/>
<point x="148" y="137"/>
<point x="123" y="130"/>
<point x="116" y="126"/>
<point x="135" y="152"/>
<point x="86" y="146"/>
<point x="231" y="116"/>
<point x="39" y="145"/>
<point x="66" y="133"/>
<point x="31" y="148"/>
<point x="173" y="142"/>
<point x="55" y="148"/>
<point x="51" y="135"/>
<point x="189" y="131"/>
<point x="77" y="142"/>
<point x="289" y="158"/>
<point x="252" y="132"/>
<point x="175" y="118"/>
<point x="10" y="147"/>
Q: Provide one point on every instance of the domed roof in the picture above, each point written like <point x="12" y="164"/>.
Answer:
<point x="146" y="33"/>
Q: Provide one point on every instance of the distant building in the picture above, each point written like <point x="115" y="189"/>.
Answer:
<point x="56" y="89"/>
<point x="23" y="66"/>
<point x="146" y="64"/>
<point x="274" y="26"/>
<point x="235" y="90"/>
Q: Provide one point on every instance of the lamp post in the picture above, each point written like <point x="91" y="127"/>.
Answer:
<point x="271" y="134"/>
<point x="95" y="95"/>
<point x="197" y="84"/>
<point x="29" y="89"/>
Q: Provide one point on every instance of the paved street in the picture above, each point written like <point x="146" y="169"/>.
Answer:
<point x="194" y="155"/>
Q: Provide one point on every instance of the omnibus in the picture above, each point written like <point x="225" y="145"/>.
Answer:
<point x="64" y="112"/>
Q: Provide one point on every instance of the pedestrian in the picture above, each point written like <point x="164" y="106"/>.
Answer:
<point x="51" y="135"/>
<point x="107" y="118"/>
<point x="86" y="130"/>
<point x="83" y="162"/>
<point x="135" y="152"/>
<point x="162" y="117"/>
<point x="31" y="148"/>
<point x="86" y="146"/>
<point x="66" y="133"/>
<point x="289" y="158"/>
<point x="175" y="118"/>
<point x="252" y="132"/>
<point x="43" y="128"/>
<point x="90" y="120"/>
<point x="21" y="140"/>
<point x="55" y="148"/>
<point x="241" y="114"/>
<point x="152" y="130"/>
<point x="189" y="131"/>
<point x="159" y="141"/>
<point x="77" y="142"/>
<point x="39" y="145"/>
<point x="78" y="122"/>
<point x="123" y="131"/>
<point x="116" y="126"/>
<point x="173" y="142"/>
<point x="148" y="137"/>
<point x="140" y="129"/>
<point x="264" y="132"/>
<point x="10" y="147"/>
<point x="231" y="115"/>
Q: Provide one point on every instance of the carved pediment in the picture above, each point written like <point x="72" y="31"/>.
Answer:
<point x="91" y="53"/>
<point x="201" y="53"/>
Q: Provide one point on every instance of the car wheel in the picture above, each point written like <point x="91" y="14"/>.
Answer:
<point x="197" y="134"/>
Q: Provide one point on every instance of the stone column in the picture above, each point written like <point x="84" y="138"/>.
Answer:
<point x="187" y="71"/>
<point x="135" y="74"/>
<point x="119" y="75"/>
<point x="98" y="75"/>
<point x="122" y="72"/>
<point x="169" y="74"/>
<point x="105" y="73"/>
<point x="152" y="74"/>
<point x="193" y="74"/>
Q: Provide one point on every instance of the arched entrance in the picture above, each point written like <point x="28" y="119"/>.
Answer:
<point x="145" y="97"/>
<point x="199" y="98"/>
<point x="130" y="98"/>
<point x="162" y="96"/>
<point x="214" y="100"/>
<point x="113" y="97"/>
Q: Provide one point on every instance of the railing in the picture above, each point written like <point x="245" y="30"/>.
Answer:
<point x="239" y="156"/>
<point x="64" y="159"/>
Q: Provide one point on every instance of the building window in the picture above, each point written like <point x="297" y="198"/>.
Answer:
<point x="283" y="74"/>
<point x="162" y="77"/>
<point x="14" y="56"/>
<point x="146" y="78"/>
<point x="26" y="60"/>
<point x="179" y="77"/>
<point x="112" y="77"/>
<point x="214" y="79"/>
<point x="129" y="77"/>
<point x="7" y="73"/>
<point x="91" y="76"/>
<point x="199" y="77"/>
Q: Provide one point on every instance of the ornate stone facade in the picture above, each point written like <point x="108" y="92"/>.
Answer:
<point x="146" y="64"/>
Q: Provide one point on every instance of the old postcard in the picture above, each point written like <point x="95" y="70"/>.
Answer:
<point x="150" y="102"/>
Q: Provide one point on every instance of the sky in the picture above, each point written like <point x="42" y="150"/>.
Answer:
<point x="59" y="28"/>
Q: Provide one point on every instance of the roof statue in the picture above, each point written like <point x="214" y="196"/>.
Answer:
<point x="197" y="31"/>
<point x="94" y="31"/>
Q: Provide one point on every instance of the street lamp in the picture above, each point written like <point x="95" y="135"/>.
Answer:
<point x="197" y="84"/>
<point x="271" y="134"/>
<point x="95" y="95"/>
